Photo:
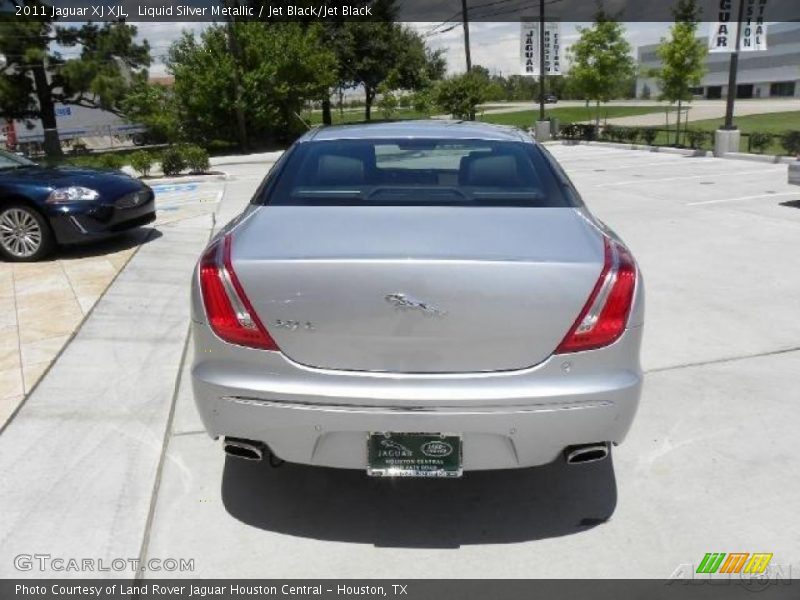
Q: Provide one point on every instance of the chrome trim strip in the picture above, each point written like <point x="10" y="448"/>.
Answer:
<point x="77" y="224"/>
<point x="461" y="409"/>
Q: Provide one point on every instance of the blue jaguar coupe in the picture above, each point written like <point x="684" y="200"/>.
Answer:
<point x="42" y="207"/>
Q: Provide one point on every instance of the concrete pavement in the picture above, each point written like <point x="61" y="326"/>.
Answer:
<point x="107" y="457"/>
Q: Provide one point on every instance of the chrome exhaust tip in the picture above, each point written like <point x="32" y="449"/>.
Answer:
<point x="246" y="449"/>
<point x="586" y="453"/>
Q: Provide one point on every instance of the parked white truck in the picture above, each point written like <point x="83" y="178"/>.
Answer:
<point x="92" y="126"/>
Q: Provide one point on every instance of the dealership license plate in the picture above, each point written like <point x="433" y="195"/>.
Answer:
<point x="413" y="455"/>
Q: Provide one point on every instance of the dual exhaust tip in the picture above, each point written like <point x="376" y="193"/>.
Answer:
<point x="246" y="449"/>
<point x="255" y="451"/>
<point x="586" y="453"/>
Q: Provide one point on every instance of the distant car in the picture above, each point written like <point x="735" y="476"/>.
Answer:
<point x="41" y="207"/>
<point x="417" y="299"/>
<point x="550" y="99"/>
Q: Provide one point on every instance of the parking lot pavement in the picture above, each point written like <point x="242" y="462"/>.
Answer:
<point x="41" y="304"/>
<point x="706" y="467"/>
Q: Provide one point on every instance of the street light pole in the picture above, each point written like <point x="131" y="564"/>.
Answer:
<point x="734" y="67"/>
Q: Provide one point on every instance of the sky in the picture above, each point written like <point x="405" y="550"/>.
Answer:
<point x="493" y="45"/>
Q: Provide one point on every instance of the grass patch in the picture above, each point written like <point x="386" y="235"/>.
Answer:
<point x="523" y="118"/>
<point x="357" y="116"/>
<point x="568" y="114"/>
<point x="772" y="123"/>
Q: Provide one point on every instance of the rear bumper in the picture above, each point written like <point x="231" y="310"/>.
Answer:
<point x="507" y="419"/>
<point x="84" y="222"/>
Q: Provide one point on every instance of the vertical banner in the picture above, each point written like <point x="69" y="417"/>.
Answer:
<point x="552" y="48"/>
<point x="754" y="28"/>
<point x="11" y="135"/>
<point x="529" y="48"/>
<point x="752" y="33"/>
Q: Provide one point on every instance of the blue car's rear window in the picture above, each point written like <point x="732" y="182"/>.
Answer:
<point x="415" y="172"/>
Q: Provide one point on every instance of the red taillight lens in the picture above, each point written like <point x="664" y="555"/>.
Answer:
<point x="605" y="315"/>
<point x="229" y="312"/>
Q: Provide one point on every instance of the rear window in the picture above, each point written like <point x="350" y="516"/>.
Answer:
<point x="417" y="172"/>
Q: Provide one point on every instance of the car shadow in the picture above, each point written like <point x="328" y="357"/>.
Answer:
<point x="118" y="243"/>
<point x="483" y="507"/>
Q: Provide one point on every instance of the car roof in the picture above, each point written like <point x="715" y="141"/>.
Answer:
<point x="428" y="128"/>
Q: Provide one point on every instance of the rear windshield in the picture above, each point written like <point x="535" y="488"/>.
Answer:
<point x="421" y="172"/>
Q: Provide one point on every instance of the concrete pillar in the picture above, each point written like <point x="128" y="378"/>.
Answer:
<point x="794" y="172"/>
<point x="542" y="131"/>
<point x="726" y="140"/>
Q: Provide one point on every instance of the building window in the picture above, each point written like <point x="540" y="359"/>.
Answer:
<point x="782" y="88"/>
<point x="697" y="91"/>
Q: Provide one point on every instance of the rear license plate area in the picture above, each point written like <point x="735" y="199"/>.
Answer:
<point x="391" y="454"/>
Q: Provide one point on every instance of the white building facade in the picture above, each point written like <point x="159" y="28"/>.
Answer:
<point x="774" y="72"/>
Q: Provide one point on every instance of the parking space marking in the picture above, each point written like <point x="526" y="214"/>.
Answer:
<point x="647" y="180"/>
<point x="164" y="188"/>
<point x="755" y="197"/>
<point x="618" y="167"/>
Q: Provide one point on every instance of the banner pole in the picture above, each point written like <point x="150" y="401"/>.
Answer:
<point x="734" y="67"/>
<point x="541" y="60"/>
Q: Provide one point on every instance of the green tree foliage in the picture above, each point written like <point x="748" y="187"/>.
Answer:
<point x="375" y="54"/>
<point x="460" y="95"/>
<point x="142" y="162"/>
<point x="37" y="76"/>
<point x="282" y="67"/>
<point x="155" y="107"/>
<point x="196" y="158"/>
<point x="602" y="64"/>
<point x="682" y="59"/>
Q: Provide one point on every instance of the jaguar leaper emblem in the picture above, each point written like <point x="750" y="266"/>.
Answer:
<point x="405" y="302"/>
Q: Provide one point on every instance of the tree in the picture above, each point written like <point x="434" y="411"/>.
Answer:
<point x="36" y="76"/>
<point x="281" y="66"/>
<point x="460" y="95"/>
<point x="601" y="61"/>
<point x="155" y="107"/>
<point x="682" y="59"/>
<point x="389" y="54"/>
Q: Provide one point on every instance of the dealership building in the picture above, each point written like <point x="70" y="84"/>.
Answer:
<point x="774" y="72"/>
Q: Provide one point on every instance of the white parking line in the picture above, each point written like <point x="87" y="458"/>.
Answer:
<point x="618" y="167"/>
<point x="744" y="198"/>
<point x="648" y="180"/>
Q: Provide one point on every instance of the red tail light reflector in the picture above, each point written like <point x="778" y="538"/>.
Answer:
<point x="230" y="314"/>
<point x="604" y="317"/>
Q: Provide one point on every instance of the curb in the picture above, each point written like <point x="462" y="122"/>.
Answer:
<point x="184" y="180"/>
<point x="641" y="147"/>
<point x="762" y="158"/>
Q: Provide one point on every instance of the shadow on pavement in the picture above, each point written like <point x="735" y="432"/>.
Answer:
<point x="489" y="507"/>
<point x="119" y="242"/>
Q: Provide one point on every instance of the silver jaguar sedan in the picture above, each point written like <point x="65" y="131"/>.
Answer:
<point x="417" y="299"/>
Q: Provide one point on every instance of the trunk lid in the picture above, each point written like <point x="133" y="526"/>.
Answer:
<point x="417" y="289"/>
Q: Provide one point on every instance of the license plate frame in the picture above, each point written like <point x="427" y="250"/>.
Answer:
<point x="414" y="454"/>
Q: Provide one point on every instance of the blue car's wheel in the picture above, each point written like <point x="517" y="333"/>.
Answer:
<point x="24" y="234"/>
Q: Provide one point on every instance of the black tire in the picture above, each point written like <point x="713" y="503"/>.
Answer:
<point x="16" y="245"/>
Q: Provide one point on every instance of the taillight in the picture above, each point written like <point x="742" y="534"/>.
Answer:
<point x="229" y="312"/>
<point x="605" y="315"/>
